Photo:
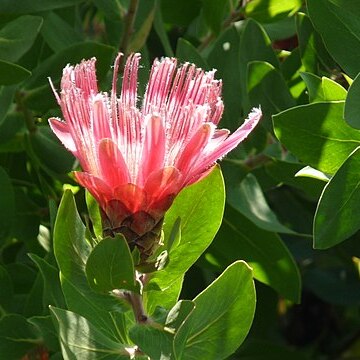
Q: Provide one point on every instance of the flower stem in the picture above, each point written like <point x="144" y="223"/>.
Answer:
<point x="135" y="301"/>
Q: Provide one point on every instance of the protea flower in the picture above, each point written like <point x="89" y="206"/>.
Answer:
<point x="135" y="160"/>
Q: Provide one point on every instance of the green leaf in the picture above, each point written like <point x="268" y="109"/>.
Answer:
<point x="12" y="130"/>
<point x="323" y="282"/>
<point x="323" y="89"/>
<point x="312" y="49"/>
<point x="282" y="29"/>
<point x="334" y="218"/>
<point x="352" y="107"/>
<point x="312" y="173"/>
<point x="110" y="266"/>
<point x="266" y="86"/>
<point x="253" y="33"/>
<point x="248" y="198"/>
<point x="70" y="247"/>
<point x="17" y="337"/>
<point x="111" y="8"/>
<point x="227" y="306"/>
<point x="271" y="261"/>
<point x="159" y="27"/>
<point x="27" y="218"/>
<point x="180" y="12"/>
<point x="49" y="152"/>
<point x="157" y="340"/>
<point x="307" y="46"/>
<point x="71" y="252"/>
<point x="52" y="289"/>
<point x="308" y="179"/>
<point x="6" y="98"/>
<point x="186" y="52"/>
<point x="323" y="139"/>
<point x="167" y="297"/>
<point x="94" y="214"/>
<point x="214" y="11"/>
<point x="25" y="6"/>
<point x="81" y="340"/>
<point x="11" y="73"/>
<point x="179" y="313"/>
<point x="200" y="208"/>
<point x="46" y="327"/>
<point x="153" y="341"/>
<point x="271" y="10"/>
<point x="7" y="205"/>
<point x="341" y="38"/>
<point x="146" y="14"/>
<point x="17" y="37"/>
<point x="57" y="33"/>
<point x="224" y="56"/>
<point x="290" y="69"/>
<point x="7" y="292"/>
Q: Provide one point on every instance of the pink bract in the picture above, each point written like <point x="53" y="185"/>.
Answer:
<point x="136" y="159"/>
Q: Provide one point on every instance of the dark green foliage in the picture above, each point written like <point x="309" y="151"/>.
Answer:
<point x="291" y="209"/>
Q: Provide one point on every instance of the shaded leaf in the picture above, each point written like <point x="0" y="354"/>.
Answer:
<point x="186" y="52"/>
<point x="251" y="34"/>
<point x="352" y="106"/>
<point x="11" y="73"/>
<point x="52" y="288"/>
<point x="341" y="38"/>
<point x="271" y="261"/>
<point x="266" y="86"/>
<point x="40" y="96"/>
<point x="334" y="218"/>
<point x="25" y="6"/>
<point x="248" y="198"/>
<point x="224" y="57"/>
<point x="7" y="205"/>
<point x="214" y="11"/>
<point x="17" y="336"/>
<point x="57" y="33"/>
<point x="17" y="36"/>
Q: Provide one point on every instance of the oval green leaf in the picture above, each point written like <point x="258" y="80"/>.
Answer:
<point x="317" y="134"/>
<point x="11" y="73"/>
<point x="335" y="218"/>
<point x="71" y="252"/>
<point x="7" y="205"/>
<point x="110" y="266"/>
<point x="80" y="339"/>
<point x="17" y="36"/>
<point x="265" y="252"/>
<point x="342" y="37"/>
<point x="352" y="105"/>
<point x="225" y="306"/>
<point x="200" y="208"/>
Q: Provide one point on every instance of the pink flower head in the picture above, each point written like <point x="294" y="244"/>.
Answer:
<point x="135" y="160"/>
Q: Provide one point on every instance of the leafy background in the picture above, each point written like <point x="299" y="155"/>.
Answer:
<point x="292" y="189"/>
